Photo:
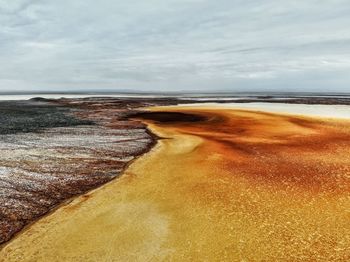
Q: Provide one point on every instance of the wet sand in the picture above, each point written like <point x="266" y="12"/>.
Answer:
<point x="233" y="185"/>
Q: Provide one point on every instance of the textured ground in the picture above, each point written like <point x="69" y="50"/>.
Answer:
<point x="229" y="185"/>
<point x="50" y="152"/>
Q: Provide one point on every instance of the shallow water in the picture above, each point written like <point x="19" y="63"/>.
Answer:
<point x="325" y="111"/>
<point x="57" y="96"/>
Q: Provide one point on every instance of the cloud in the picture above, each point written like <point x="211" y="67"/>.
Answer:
<point x="171" y="45"/>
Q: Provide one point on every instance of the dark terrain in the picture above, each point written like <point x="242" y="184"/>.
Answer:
<point x="31" y="116"/>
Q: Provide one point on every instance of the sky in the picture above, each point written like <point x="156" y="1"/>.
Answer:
<point x="175" y="45"/>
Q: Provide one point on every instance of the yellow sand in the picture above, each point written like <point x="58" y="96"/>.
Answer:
<point x="187" y="200"/>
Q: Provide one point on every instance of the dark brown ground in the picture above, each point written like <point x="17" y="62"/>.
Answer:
<point x="168" y="117"/>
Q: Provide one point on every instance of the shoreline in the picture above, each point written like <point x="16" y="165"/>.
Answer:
<point x="59" y="156"/>
<point x="306" y="110"/>
<point x="66" y="202"/>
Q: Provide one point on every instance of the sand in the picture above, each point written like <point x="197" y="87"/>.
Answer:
<point x="242" y="186"/>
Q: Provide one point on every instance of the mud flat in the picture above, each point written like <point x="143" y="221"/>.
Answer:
<point x="223" y="185"/>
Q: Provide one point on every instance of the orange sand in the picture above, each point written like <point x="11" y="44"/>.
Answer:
<point x="243" y="186"/>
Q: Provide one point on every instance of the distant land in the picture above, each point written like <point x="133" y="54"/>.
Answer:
<point x="174" y="93"/>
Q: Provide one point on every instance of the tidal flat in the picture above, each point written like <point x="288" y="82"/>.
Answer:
<point x="220" y="185"/>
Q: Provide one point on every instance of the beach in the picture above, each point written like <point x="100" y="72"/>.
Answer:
<point x="226" y="185"/>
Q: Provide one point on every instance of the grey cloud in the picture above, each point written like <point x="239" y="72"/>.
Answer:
<point x="176" y="45"/>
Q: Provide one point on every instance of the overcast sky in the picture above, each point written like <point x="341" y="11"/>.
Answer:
<point x="174" y="45"/>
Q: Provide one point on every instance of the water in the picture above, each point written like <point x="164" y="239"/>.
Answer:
<point x="57" y="96"/>
<point x="326" y="111"/>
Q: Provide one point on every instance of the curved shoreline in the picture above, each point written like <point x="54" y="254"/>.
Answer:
<point x="76" y="201"/>
<point x="198" y="195"/>
<point x="73" y="198"/>
<point x="51" y="154"/>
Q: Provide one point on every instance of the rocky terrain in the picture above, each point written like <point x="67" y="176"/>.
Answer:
<point x="51" y="151"/>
